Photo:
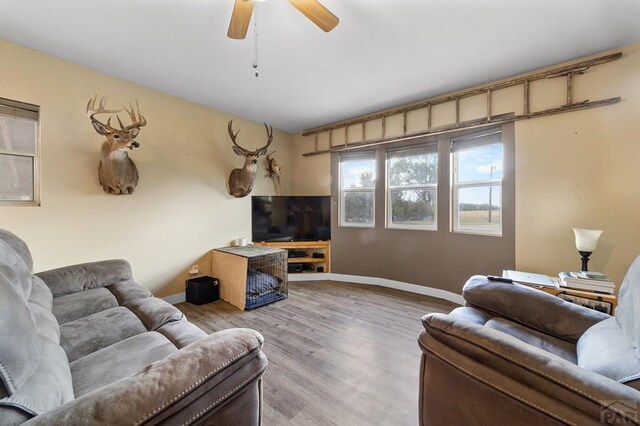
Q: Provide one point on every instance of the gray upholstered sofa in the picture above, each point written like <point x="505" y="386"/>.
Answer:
<point x="85" y="344"/>
<point x="516" y="355"/>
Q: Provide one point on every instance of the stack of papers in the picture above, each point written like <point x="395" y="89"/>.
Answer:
<point x="582" y="281"/>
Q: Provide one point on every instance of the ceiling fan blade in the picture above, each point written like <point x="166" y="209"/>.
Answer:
<point x="240" y="19"/>
<point x="320" y="15"/>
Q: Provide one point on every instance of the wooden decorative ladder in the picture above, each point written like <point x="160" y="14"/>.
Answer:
<point x="568" y="72"/>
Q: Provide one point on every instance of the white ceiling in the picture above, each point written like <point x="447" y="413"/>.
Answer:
<point x="383" y="53"/>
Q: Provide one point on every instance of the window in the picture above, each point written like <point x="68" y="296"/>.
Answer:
<point x="357" y="189"/>
<point x="477" y="183"/>
<point x="19" y="178"/>
<point x="412" y="187"/>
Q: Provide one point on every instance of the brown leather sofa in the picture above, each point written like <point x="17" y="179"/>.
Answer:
<point x="516" y="355"/>
<point x="87" y="345"/>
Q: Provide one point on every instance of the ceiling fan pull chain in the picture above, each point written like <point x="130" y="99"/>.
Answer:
<point x="255" y="40"/>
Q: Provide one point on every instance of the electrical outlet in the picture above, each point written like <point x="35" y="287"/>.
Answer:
<point x="194" y="270"/>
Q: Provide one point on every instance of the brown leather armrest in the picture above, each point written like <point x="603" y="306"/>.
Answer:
<point x="532" y="376"/>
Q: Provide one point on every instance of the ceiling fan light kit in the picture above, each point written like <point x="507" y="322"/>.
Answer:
<point x="312" y="9"/>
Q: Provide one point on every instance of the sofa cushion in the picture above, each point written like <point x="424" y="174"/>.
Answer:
<point x="86" y="276"/>
<point x="154" y="312"/>
<point x="48" y="387"/>
<point x="551" y="344"/>
<point x="604" y="349"/>
<point x="628" y="310"/>
<point x="45" y="323"/>
<point x="89" y="334"/>
<point x="12" y="416"/>
<point x="79" y="305"/>
<point x="17" y="245"/>
<point x="40" y="293"/>
<point x="20" y="346"/>
<point x="128" y="291"/>
<point x="15" y="256"/>
<point x="34" y="369"/>
<point x="119" y="360"/>
<point x="471" y="314"/>
<point x="181" y="333"/>
<point x="17" y="274"/>
<point x="542" y="312"/>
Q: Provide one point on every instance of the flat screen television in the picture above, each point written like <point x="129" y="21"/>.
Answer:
<point x="290" y="218"/>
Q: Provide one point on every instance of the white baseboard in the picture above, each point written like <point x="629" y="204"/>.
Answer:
<point x="175" y="298"/>
<point x="382" y="282"/>
<point x="311" y="276"/>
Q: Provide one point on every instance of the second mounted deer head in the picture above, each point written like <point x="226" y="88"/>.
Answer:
<point x="241" y="180"/>
<point x="117" y="173"/>
<point x="274" y="170"/>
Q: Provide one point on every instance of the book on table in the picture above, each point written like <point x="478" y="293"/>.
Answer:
<point x="579" y="281"/>
<point x="582" y="277"/>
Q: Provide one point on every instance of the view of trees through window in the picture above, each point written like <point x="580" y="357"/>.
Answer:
<point x="412" y="188"/>
<point x="357" y="190"/>
<point x="411" y="185"/>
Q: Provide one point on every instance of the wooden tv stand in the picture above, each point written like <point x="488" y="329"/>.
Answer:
<point x="309" y="247"/>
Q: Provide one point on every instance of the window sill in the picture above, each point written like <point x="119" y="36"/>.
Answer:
<point x="19" y="203"/>
<point x="476" y="232"/>
<point x="412" y="228"/>
<point x="352" y="225"/>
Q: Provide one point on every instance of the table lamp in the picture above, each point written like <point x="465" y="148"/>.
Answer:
<point x="586" y="242"/>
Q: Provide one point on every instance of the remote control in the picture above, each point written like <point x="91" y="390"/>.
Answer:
<point x="499" y="279"/>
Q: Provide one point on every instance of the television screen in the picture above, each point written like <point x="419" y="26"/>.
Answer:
<point x="290" y="218"/>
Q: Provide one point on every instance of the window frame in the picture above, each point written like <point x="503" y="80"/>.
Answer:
<point x="488" y="183"/>
<point x="428" y="186"/>
<point x="22" y="110"/>
<point x="342" y="191"/>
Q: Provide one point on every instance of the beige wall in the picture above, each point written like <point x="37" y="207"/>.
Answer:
<point x="311" y="175"/>
<point x="181" y="208"/>
<point x="582" y="169"/>
<point x="575" y="169"/>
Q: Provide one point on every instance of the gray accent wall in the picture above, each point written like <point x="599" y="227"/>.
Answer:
<point x="438" y="259"/>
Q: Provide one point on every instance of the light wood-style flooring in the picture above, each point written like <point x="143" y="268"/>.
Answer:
<point x="339" y="354"/>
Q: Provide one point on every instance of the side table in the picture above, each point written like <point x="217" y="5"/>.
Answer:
<point x="599" y="301"/>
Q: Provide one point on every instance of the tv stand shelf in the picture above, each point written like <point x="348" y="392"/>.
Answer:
<point x="309" y="247"/>
<point x="305" y="260"/>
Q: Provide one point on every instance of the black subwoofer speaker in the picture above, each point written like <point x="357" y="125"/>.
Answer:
<point x="202" y="290"/>
<point x="294" y="267"/>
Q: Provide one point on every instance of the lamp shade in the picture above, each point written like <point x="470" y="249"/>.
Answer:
<point x="587" y="239"/>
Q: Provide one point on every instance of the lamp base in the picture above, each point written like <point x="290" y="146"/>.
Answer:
<point x="585" y="259"/>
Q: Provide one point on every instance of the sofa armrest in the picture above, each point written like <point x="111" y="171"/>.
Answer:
<point x="526" y="375"/>
<point x="531" y="307"/>
<point x="189" y="385"/>
<point x="85" y="276"/>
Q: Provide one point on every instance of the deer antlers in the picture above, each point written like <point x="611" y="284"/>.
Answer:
<point x="257" y="152"/>
<point x="136" y="121"/>
<point x="140" y="121"/>
<point x="92" y="112"/>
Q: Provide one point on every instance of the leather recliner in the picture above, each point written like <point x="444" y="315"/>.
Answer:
<point x="517" y="355"/>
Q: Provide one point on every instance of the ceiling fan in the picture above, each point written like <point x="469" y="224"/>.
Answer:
<point x="312" y="9"/>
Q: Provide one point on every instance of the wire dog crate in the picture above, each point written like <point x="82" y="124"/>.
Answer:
<point x="251" y="276"/>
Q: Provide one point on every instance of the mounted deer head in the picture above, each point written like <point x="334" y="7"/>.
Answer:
<point x="117" y="173"/>
<point x="241" y="180"/>
<point x="274" y="170"/>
